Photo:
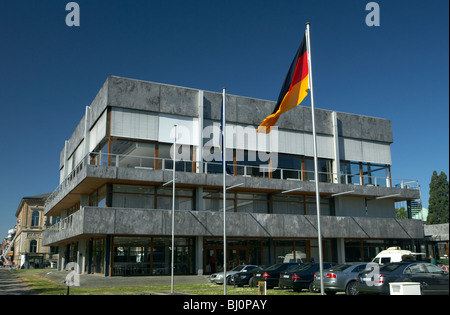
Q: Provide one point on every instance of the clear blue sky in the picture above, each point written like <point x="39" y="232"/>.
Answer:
<point x="49" y="72"/>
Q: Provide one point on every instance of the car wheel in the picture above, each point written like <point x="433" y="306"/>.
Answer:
<point x="313" y="288"/>
<point x="252" y="282"/>
<point x="351" y="288"/>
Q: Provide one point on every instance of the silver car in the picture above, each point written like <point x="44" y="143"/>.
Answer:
<point x="218" y="276"/>
<point x="341" y="278"/>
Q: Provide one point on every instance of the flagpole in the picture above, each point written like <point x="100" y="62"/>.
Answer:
<point x="173" y="210"/>
<point x="224" y="154"/>
<point x="316" y="175"/>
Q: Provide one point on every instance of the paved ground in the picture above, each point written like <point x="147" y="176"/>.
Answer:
<point x="11" y="285"/>
<point x="97" y="281"/>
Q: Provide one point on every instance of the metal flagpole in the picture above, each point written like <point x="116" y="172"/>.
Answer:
<point x="173" y="207"/>
<point x="224" y="152"/>
<point x="316" y="175"/>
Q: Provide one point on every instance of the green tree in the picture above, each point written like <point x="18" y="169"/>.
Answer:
<point x="401" y="213"/>
<point x="438" y="201"/>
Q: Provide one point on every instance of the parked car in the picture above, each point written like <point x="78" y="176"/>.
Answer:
<point x="432" y="279"/>
<point x="340" y="278"/>
<point x="302" y="277"/>
<point x="245" y="277"/>
<point x="271" y="275"/>
<point x="218" y="276"/>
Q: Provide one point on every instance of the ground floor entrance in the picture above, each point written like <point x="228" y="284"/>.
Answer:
<point x="115" y="255"/>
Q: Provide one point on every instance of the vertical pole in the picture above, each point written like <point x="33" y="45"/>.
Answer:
<point x="173" y="208"/>
<point x="224" y="172"/>
<point x="316" y="177"/>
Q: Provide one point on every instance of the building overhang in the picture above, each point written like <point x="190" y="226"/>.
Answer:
<point x="94" y="221"/>
<point x="92" y="177"/>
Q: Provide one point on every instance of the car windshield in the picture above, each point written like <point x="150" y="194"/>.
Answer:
<point x="274" y="267"/>
<point x="238" y="268"/>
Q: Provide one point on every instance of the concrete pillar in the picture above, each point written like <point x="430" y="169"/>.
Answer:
<point x="107" y="261"/>
<point x="199" y="255"/>
<point x="81" y="255"/>
<point x="62" y="257"/>
<point x="199" y="149"/>
<point x="340" y="242"/>
<point x="336" y="155"/>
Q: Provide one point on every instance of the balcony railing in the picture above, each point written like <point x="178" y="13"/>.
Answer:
<point x="153" y="163"/>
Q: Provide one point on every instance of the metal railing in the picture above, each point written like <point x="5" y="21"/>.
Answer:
<point x="153" y="163"/>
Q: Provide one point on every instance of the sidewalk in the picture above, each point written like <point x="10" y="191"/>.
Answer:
<point x="10" y="285"/>
<point x="97" y="281"/>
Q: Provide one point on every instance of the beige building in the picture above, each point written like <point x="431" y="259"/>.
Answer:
<point x="29" y="252"/>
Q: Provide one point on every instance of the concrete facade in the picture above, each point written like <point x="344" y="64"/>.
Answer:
<point x="356" y="186"/>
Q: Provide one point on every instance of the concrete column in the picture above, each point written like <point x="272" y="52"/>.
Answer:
<point x="81" y="255"/>
<point x="87" y="125"/>
<point x="199" y="255"/>
<point x="199" y="149"/>
<point x="107" y="261"/>
<point x="336" y="156"/>
<point x="340" y="242"/>
<point x="61" y="257"/>
<point x="84" y="200"/>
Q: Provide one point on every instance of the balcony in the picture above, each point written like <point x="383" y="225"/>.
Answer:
<point x="115" y="167"/>
<point x="110" y="221"/>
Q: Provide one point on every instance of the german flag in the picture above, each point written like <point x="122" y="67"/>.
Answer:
<point x="294" y="90"/>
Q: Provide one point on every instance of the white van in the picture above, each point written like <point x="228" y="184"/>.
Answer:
<point x="395" y="254"/>
<point x="300" y="257"/>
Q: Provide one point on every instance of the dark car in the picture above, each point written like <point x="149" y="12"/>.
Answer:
<point x="218" y="276"/>
<point x="432" y="279"/>
<point x="302" y="277"/>
<point x="271" y="275"/>
<point x="246" y="277"/>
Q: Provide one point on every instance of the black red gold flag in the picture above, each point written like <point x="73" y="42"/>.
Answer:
<point x="294" y="90"/>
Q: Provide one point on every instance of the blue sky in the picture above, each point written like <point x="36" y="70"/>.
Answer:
<point x="49" y="72"/>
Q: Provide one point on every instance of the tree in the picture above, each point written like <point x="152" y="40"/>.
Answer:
<point x="438" y="201"/>
<point x="401" y="213"/>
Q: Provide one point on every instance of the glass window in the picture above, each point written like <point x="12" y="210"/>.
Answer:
<point x="325" y="171"/>
<point x="417" y="268"/>
<point x="33" y="246"/>
<point x="213" y="201"/>
<point x="184" y="199"/>
<point x="252" y="203"/>
<point x="35" y="218"/>
<point x="433" y="269"/>
<point x="132" y="154"/>
<point x="309" y="169"/>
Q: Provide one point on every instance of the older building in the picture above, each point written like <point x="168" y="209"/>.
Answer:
<point x="29" y="252"/>
<point x="115" y="199"/>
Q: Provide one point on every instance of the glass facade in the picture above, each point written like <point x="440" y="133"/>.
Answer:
<point x="140" y="256"/>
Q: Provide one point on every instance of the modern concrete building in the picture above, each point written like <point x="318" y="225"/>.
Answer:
<point x="115" y="204"/>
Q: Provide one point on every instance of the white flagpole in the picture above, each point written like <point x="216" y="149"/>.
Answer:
<point x="173" y="209"/>
<point x="224" y="154"/>
<point x="316" y="175"/>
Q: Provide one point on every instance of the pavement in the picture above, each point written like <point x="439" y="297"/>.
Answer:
<point x="98" y="281"/>
<point x="10" y="284"/>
